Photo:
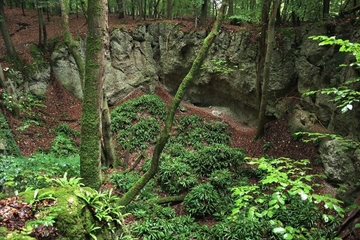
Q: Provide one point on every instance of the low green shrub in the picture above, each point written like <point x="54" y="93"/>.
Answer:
<point x="67" y="130"/>
<point x="175" y="176"/>
<point x="63" y="146"/>
<point x="221" y="179"/>
<point x="124" y="181"/>
<point x="139" y="135"/>
<point x="127" y="112"/>
<point x="182" y="227"/>
<point x="216" y="157"/>
<point x="202" y="200"/>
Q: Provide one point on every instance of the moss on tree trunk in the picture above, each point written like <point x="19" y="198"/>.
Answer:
<point x="97" y="39"/>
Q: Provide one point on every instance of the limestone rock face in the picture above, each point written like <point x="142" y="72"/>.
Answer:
<point x="340" y="166"/>
<point x="162" y="52"/>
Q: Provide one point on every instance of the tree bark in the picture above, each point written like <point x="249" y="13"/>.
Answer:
<point x="164" y="136"/>
<point x="69" y="41"/>
<point x="326" y="8"/>
<point x="42" y="27"/>
<point x="266" y="79"/>
<point x="203" y="13"/>
<point x="96" y="43"/>
<point x="10" y="50"/>
<point x="262" y="50"/>
<point x="108" y="143"/>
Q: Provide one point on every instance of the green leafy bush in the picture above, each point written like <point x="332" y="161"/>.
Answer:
<point x="67" y="130"/>
<point x="138" y="136"/>
<point x="124" y="181"/>
<point x="182" y="227"/>
<point x="289" y="193"/>
<point x="202" y="200"/>
<point x="221" y="179"/>
<point x="216" y="157"/>
<point x="63" y="146"/>
<point x="35" y="172"/>
<point x="194" y="131"/>
<point x="175" y="176"/>
<point x="128" y="111"/>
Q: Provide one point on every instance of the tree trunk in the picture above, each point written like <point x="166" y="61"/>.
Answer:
<point x="96" y="42"/>
<point x="270" y="43"/>
<point x="231" y="8"/>
<point x="69" y="41"/>
<point x="136" y="188"/>
<point x="168" y="9"/>
<point x="326" y="8"/>
<point x="262" y="50"/>
<point x="10" y="50"/>
<point x="42" y="28"/>
<point x="121" y="6"/>
<point x="203" y="13"/>
<point x="108" y="143"/>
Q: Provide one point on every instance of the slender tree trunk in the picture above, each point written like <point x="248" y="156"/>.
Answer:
<point x="108" y="143"/>
<point x="42" y="28"/>
<point x="10" y="50"/>
<point x="136" y="188"/>
<point x="270" y="43"/>
<point x="168" y="9"/>
<point x="96" y="42"/>
<point x="231" y="8"/>
<point x="69" y="41"/>
<point x="121" y="9"/>
<point x="326" y="9"/>
<point x="262" y="50"/>
<point x="203" y="13"/>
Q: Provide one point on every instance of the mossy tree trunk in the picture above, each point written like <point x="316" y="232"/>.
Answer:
<point x="266" y="77"/>
<point x="96" y="43"/>
<point x="108" y="143"/>
<point x="42" y="27"/>
<point x="69" y="41"/>
<point x="165" y="134"/>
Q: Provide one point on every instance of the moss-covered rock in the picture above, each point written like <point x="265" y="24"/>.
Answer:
<point x="74" y="221"/>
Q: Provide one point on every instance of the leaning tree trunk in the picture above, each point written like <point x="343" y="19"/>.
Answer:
<point x="96" y="42"/>
<point x="10" y="50"/>
<point x="265" y="86"/>
<point x="165" y="134"/>
<point x="42" y="27"/>
<point x="69" y="41"/>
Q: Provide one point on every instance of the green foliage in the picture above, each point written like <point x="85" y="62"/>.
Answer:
<point x="182" y="227"/>
<point x="124" y="181"/>
<point x="344" y="96"/>
<point x="127" y="112"/>
<point x="67" y="130"/>
<point x="65" y="181"/>
<point x="27" y="104"/>
<point x="139" y="135"/>
<point x="7" y="139"/>
<point x="202" y="200"/>
<point x="105" y="208"/>
<point x="175" y="176"/>
<point x="290" y="193"/>
<point x="196" y="132"/>
<point x="221" y="179"/>
<point x="63" y="146"/>
<point x="36" y="171"/>
<point x="216" y="157"/>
